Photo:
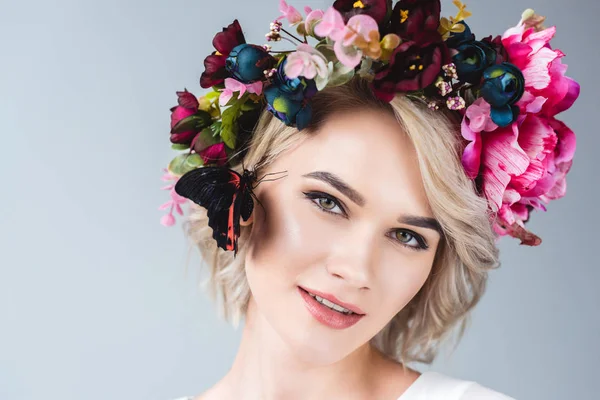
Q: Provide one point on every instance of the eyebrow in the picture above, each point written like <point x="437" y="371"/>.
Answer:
<point x="357" y="198"/>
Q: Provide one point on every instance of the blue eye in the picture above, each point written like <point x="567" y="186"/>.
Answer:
<point x="328" y="204"/>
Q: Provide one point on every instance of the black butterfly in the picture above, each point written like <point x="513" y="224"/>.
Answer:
<point x="225" y="194"/>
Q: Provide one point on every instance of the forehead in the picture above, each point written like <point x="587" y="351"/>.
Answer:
<point x="370" y="151"/>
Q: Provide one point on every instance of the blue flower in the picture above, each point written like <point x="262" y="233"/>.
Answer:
<point x="458" y="38"/>
<point x="503" y="86"/>
<point x="288" y="99"/>
<point x="472" y="59"/>
<point x="246" y="62"/>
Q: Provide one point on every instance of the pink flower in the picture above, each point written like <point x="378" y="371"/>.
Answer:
<point x="524" y="166"/>
<point x="308" y="62"/>
<point x="542" y="67"/>
<point x="331" y="25"/>
<point x="289" y="12"/>
<point x="187" y="106"/>
<point x="479" y="118"/>
<point x="176" y="200"/>
<point x="312" y="18"/>
<point x="232" y="86"/>
<point x="360" y="29"/>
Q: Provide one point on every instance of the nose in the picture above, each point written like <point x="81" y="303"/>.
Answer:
<point x="354" y="256"/>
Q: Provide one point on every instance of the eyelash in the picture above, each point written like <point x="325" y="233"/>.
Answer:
<point x="312" y="196"/>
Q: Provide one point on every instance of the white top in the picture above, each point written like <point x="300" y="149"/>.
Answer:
<point x="432" y="385"/>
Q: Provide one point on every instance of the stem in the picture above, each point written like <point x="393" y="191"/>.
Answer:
<point x="283" y="30"/>
<point x="280" y="52"/>
<point x="284" y="38"/>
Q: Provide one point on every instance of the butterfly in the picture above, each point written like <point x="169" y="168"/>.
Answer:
<point x="226" y="195"/>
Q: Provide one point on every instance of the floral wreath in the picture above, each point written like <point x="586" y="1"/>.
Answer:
<point x="507" y="89"/>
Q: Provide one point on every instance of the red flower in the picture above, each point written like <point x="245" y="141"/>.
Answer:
<point x="377" y="9"/>
<point x="215" y="72"/>
<point x="214" y="154"/>
<point x="414" y="65"/>
<point x="410" y="17"/>
<point x="186" y="119"/>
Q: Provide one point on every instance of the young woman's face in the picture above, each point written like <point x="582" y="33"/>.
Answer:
<point x="350" y="220"/>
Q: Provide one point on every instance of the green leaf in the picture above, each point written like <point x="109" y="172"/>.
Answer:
<point x="212" y="95"/>
<point x="195" y="122"/>
<point x="341" y="74"/>
<point x="180" y="165"/>
<point x="180" y="146"/>
<point x="216" y="128"/>
<point x="229" y="125"/>
<point x="248" y="106"/>
<point x="206" y="138"/>
<point x="194" y="160"/>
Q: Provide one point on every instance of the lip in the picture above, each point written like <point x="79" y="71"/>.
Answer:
<point x="333" y="299"/>
<point x="326" y="315"/>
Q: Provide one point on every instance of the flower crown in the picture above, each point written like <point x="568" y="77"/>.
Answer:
<point x="507" y="90"/>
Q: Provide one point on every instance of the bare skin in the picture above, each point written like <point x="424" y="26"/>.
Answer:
<point x="358" y="245"/>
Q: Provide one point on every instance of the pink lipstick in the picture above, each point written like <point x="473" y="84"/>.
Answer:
<point x="327" y="316"/>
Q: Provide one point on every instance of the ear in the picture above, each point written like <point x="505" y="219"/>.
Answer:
<point x="249" y="222"/>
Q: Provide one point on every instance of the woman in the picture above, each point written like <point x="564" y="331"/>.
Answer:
<point x="357" y="224"/>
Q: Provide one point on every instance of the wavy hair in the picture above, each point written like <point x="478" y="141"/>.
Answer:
<point x="464" y="256"/>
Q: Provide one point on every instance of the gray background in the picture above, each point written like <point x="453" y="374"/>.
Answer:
<point x="95" y="299"/>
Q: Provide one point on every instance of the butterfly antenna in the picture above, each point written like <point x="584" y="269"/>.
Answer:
<point x="268" y="180"/>
<point x="258" y="201"/>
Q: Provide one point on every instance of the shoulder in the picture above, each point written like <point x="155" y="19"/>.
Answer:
<point x="476" y="392"/>
<point x="434" y="385"/>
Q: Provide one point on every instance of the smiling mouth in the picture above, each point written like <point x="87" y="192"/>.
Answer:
<point x="333" y="306"/>
<point x="329" y="313"/>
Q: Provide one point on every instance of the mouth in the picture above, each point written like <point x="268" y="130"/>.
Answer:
<point x="330" y="313"/>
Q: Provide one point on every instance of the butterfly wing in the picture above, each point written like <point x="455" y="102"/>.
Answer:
<point x="218" y="190"/>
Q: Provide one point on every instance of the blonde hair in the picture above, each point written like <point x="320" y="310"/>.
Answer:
<point x="464" y="256"/>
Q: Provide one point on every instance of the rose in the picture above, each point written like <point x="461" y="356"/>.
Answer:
<point x="215" y="72"/>
<point x="503" y="86"/>
<point x="288" y="98"/>
<point x="246" y="62"/>
<point x="411" y="17"/>
<point x="186" y="119"/>
<point x="414" y="65"/>
<point x="377" y="9"/>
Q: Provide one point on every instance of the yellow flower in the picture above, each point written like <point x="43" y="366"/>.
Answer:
<point x="451" y="25"/>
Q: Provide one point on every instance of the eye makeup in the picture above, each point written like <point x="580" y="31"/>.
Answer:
<point x="315" y="196"/>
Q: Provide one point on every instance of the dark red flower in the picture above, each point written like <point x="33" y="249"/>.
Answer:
<point x="186" y="119"/>
<point x="414" y="65"/>
<point x="215" y="72"/>
<point x="377" y="9"/>
<point x="410" y="17"/>
<point x="496" y="44"/>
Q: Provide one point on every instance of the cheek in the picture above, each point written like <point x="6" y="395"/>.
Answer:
<point x="288" y="237"/>
<point x="401" y="281"/>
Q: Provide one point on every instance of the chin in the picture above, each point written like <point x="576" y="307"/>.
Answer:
<point x="310" y="341"/>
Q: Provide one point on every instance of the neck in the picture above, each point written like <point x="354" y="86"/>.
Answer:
<point x="266" y="368"/>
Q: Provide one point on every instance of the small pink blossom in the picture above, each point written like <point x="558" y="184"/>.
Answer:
<point x="360" y="29"/>
<point x="289" y="12"/>
<point x="232" y="86"/>
<point x="176" y="200"/>
<point x="312" y="17"/>
<point x="331" y="25"/>
<point x="478" y="115"/>
<point x="306" y="61"/>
